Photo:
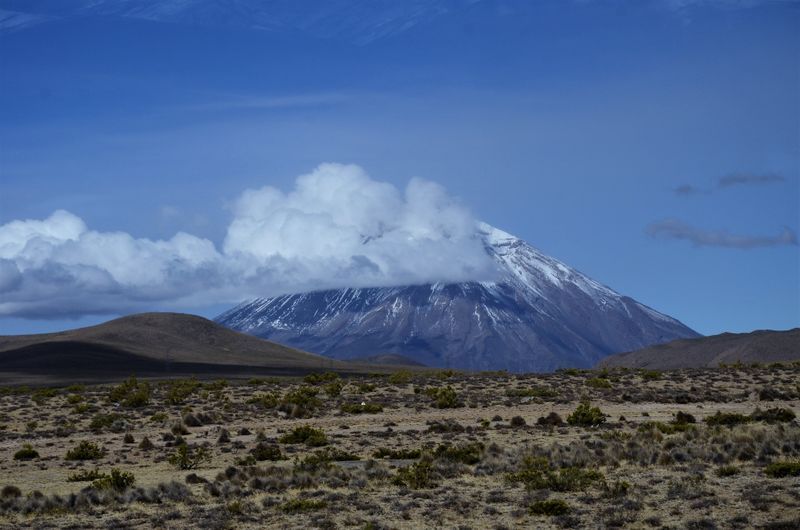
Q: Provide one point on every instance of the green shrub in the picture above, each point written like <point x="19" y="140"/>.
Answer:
<point x="585" y="415"/>
<point x="303" y="396"/>
<point x="263" y="451"/>
<point x="400" y="377"/>
<point x="26" y="453"/>
<point x="537" y="473"/>
<point x="727" y="471"/>
<point x="85" y="450"/>
<point x="397" y="454"/>
<point x="598" y="382"/>
<point x="302" y="505"/>
<point x="159" y="417"/>
<point x="130" y="393"/>
<point x="104" y="421"/>
<point x="728" y="419"/>
<point x="445" y="398"/>
<point x="74" y="399"/>
<point x="361" y="408"/>
<point x="41" y="395"/>
<point x="88" y="475"/>
<point x="619" y="488"/>
<point x="178" y="390"/>
<point x="664" y="428"/>
<point x="334" y="389"/>
<point x="650" y="375"/>
<point x="186" y="457"/>
<point x="569" y="371"/>
<point x="550" y="507"/>
<point x="266" y="401"/>
<point x="467" y="453"/>
<point x="117" y="481"/>
<point x="418" y="475"/>
<point x="783" y="469"/>
<point x="305" y="434"/>
<point x="314" y="379"/>
<point x="364" y="388"/>
<point x="774" y="415"/>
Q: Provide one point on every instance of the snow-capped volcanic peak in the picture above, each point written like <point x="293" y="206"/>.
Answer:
<point x="539" y="314"/>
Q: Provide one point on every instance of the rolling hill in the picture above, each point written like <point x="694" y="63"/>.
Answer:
<point x="728" y="348"/>
<point x="154" y="344"/>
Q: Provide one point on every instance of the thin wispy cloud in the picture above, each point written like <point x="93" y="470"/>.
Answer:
<point x="730" y="181"/>
<point x="746" y="179"/>
<point x="676" y="229"/>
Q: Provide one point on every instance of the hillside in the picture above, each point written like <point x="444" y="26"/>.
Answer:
<point x="153" y="343"/>
<point x="727" y="348"/>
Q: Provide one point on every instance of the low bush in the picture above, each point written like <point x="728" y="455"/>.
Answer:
<point x="552" y="419"/>
<point x="186" y="457"/>
<point x="416" y="476"/>
<point x="467" y="453"/>
<point x="85" y="450"/>
<point x="179" y="390"/>
<point x="314" y="378"/>
<point x="264" y="400"/>
<point x="117" y="481"/>
<point x="586" y="416"/>
<point x="305" y="434"/>
<point x="397" y="454"/>
<point x="727" y="471"/>
<point x="362" y="408"/>
<point x="302" y="505"/>
<point x="537" y="473"/>
<point x="130" y="393"/>
<point x="598" y="382"/>
<point x="26" y="453"/>
<point x="445" y="398"/>
<point x="88" y="475"/>
<point x="264" y="451"/>
<point x="550" y="507"/>
<point x="728" y="419"/>
<point x="783" y="469"/>
<point x="400" y="377"/>
<point x="774" y="415"/>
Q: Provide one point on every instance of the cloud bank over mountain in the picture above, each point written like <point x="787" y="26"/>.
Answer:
<point x="337" y="228"/>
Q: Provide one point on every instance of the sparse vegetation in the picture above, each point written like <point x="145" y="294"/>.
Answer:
<point x="85" y="450"/>
<point x="655" y="453"/>
<point x="130" y="393"/>
<point x="305" y="434"/>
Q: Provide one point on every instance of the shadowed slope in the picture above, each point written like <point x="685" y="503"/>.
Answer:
<point x="756" y="347"/>
<point x="153" y="343"/>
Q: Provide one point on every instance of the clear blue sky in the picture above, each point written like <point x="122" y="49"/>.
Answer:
<point x="653" y="145"/>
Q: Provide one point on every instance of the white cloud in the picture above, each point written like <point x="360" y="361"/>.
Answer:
<point x="336" y="228"/>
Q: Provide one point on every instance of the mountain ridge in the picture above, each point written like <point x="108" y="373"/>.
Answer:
<point x="539" y="315"/>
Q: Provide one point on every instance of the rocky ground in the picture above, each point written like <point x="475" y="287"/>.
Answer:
<point x="638" y="449"/>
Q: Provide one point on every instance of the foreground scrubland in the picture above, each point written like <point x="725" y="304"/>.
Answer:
<point x="685" y="449"/>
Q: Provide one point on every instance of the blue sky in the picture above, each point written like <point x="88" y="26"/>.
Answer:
<point x="574" y="125"/>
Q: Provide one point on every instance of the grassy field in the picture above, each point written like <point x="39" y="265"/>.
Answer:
<point x="715" y="448"/>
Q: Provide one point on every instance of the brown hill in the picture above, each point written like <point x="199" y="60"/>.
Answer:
<point x="756" y="347"/>
<point x="154" y="344"/>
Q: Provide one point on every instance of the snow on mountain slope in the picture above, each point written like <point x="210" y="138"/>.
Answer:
<point x="539" y="315"/>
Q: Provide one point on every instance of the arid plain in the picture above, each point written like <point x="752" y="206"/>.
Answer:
<point x="711" y="448"/>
